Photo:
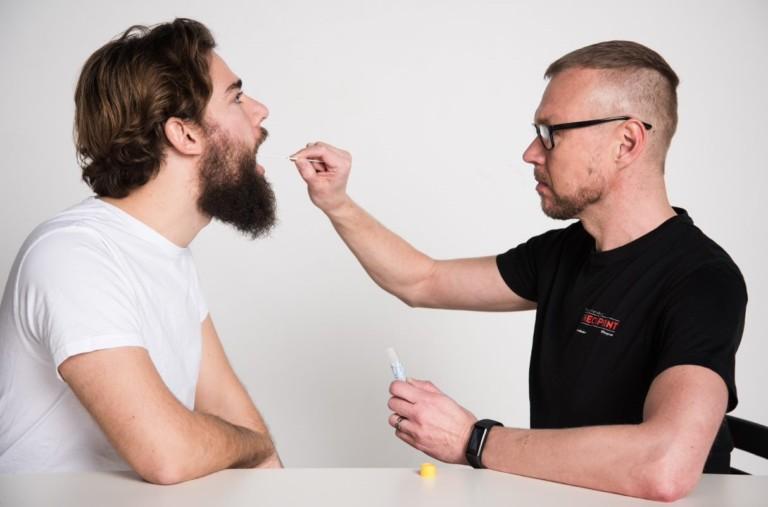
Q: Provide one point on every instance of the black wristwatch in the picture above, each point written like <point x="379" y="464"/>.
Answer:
<point x="477" y="440"/>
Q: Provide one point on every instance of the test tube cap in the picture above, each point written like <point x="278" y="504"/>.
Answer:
<point x="428" y="470"/>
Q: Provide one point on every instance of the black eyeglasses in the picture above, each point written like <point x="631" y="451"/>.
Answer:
<point x="548" y="141"/>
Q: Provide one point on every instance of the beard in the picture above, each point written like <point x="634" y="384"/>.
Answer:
<point x="562" y="207"/>
<point x="231" y="190"/>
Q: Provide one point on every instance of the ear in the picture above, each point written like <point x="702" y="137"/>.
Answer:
<point x="632" y="142"/>
<point x="184" y="136"/>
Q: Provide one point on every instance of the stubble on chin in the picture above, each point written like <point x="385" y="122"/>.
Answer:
<point x="567" y="208"/>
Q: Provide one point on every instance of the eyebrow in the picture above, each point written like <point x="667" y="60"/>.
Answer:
<point x="237" y="85"/>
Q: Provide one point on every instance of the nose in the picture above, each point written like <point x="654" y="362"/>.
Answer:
<point x="534" y="154"/>
<point x="260" y="112"/>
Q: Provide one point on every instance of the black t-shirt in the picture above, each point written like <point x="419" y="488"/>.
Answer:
<point x="607" y="323"/>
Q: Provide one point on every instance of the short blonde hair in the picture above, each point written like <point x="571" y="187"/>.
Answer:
<point x="646" y="77"/>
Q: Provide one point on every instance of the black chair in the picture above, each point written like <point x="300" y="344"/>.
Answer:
<point x="748" y="436"/>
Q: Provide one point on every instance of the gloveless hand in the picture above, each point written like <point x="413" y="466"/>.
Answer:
<point x="430" y="421"/>
<point x="325" y="169"/>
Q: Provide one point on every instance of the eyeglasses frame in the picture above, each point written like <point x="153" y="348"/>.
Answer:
<point x="577" y="125"/>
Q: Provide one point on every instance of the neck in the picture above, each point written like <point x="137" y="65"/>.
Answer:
<point x="167" y="204"/>
<point x="624" y="216"/>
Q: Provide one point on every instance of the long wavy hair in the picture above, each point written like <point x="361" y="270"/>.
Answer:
<point x="127" y="90"/>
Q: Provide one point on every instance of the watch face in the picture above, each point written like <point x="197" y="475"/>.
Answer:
<point x="477" y="441"/>
<point x="474" y="447"/>
<point x="476" y="437"/>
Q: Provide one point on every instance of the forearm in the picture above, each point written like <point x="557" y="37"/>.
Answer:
<point x="396" y="266"/>
<point x="635" y="460"/>
<point x="205" y="444"/>
<point x="249" y="418"/>
<point x="389" y="260"/>
<point x="220" y="393"/>
<point x="230" y="402"/>
<point x="238" y="446"/>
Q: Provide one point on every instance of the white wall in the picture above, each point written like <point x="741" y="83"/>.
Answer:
<point x="434" y="99"/>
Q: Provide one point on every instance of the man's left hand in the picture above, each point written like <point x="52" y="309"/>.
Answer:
<point x="430" y="421"/>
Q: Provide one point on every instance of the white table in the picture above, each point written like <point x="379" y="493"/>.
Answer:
<point x="347" y="487"/>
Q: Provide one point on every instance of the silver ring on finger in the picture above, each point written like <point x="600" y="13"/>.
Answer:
<point x="397" y="423"/>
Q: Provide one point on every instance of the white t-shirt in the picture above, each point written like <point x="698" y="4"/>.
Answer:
<point x="93" y="277"/>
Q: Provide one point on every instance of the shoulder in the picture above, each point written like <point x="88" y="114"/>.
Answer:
<point x="701" y="262"/>
<point x="555" y="245"/>
<point x="571" y="236"/>
<point x="548" y="247"/>
<point x="61" y="246"/>
<point x="522" y="267"/>
<point x="89" y="223"/>
<point x="69" y="248"/>
<point x="717" y="280"/>
<point x="703" y="283"/>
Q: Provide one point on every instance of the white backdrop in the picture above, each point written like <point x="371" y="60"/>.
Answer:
<point x="434" y="99"/>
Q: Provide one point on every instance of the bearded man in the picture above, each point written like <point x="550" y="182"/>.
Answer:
<point x="109" y="359"/>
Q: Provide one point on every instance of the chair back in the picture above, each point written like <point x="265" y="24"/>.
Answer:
<point x="748" y="436"/>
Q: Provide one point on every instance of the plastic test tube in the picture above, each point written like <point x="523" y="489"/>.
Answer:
<point x="397" y="367"/>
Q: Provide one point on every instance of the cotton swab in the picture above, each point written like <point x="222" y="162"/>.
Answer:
<point x="292" y="159"/>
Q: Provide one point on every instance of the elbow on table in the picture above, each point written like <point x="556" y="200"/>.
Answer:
<point x="163" y="469"/>
<point x="163" y="474"/>
<point x="669" y="482"/>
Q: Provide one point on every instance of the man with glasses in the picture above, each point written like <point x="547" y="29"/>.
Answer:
<point x="638" y="313"/>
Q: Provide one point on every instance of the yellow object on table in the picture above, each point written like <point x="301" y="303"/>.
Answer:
<point x="428" y="470"/>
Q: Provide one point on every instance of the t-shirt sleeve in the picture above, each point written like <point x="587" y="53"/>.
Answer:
<point x="703" y="322"/>
<point x="520" y="266"/>
<point x="74" y="298"/>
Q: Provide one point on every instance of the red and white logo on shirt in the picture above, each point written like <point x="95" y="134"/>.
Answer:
<point x="607" y="325"/>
